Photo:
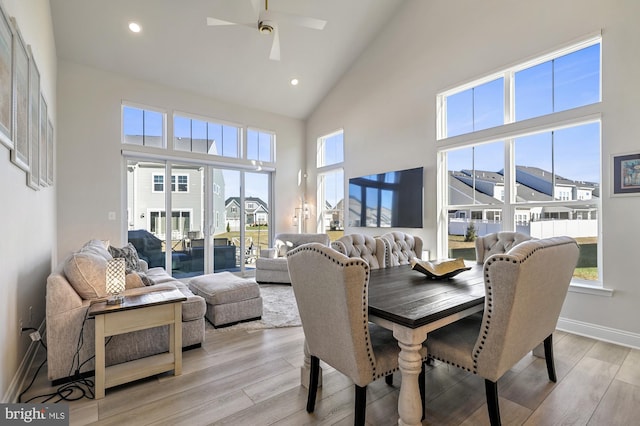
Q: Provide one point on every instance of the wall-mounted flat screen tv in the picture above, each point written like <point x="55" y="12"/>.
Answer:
<point x="384" y="200"/>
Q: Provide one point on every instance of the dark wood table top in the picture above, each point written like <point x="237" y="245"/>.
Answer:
<point x="138" y="301"/>
<point x="407" y="297"/>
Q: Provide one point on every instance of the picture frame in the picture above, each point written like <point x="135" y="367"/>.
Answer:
<point x="626" y="174"/>
<point x="50" y="151"/>
<point x="43" y="142"/>
<point x="33" y="175"/>
<point x="20" y="102"/>
<point x="6" y="80"/>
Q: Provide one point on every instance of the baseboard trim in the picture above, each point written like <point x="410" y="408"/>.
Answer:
<point x="599" y="332"/>
<point x="20" y="378"/>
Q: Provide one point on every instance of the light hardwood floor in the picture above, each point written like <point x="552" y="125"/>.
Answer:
<point x="253" y="378"/>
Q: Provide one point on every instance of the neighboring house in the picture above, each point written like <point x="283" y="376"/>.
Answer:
<point x="532" y="185"/>
<point x="146" y="200"/>
<point x="256" y="212"/>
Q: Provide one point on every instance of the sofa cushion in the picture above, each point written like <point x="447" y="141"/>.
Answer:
<point x="97" y="247"/>
<point x="133" y="280"/>
<point x="86" y="272"/>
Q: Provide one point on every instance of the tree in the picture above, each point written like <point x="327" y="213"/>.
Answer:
<point x="228" y="227"/>
<point x="471" y="232"/>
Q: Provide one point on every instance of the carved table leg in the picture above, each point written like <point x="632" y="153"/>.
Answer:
<point x="410" y="361"/>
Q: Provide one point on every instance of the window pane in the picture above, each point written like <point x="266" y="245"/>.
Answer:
<point x="488" y="105"/>
<point x="533" y="91"/>
<point x="331" y="189"/>
<point x="478" y="108"/>
<point x="331" y="149"/>
<point x="230" y="141"/>
<point x="577" y="78"/>
<point x="460" y="113"/>
<point x="199" y="136"/>
<point x="476" y="174"/>
<point x="132" y="125"/>
<point x="534" y="168"/>
<point x="214" y="132"/>
<point x="259" y="145"/>
<point x="182" y="133"/>
<point x="576" y="153"/>
<point x="153" y="129"/>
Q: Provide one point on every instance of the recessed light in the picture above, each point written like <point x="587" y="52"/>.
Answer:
<point x="135" y="27"/>
<point x="294" y="81"/>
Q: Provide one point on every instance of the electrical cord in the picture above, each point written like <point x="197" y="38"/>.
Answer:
<point x="78" y="387"/>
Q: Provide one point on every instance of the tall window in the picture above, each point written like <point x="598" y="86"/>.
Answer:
<point x="521" y="150"/>
<point x="330" y="159"/>
<point x="143" y="127"/>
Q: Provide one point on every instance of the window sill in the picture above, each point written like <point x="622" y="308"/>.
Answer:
<point x="582" y="287"/>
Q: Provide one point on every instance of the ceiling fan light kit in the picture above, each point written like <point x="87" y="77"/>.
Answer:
<point x="268" y="24"/>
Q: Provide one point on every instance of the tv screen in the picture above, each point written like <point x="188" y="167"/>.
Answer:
<point x="384" y="200"/>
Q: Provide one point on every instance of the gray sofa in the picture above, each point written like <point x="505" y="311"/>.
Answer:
<point x="80" y="280"/>
<point x="271" y="266"/>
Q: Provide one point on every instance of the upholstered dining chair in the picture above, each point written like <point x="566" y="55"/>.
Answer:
<point x="402" y="247"/>
<point x="525" y="289"/>
<point x="496" y="243"/>
<point x="371" y="250"/>
<point x="331" y="290"/>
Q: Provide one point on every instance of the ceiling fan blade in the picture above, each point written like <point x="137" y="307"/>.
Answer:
<point x="301" y="21"/>
<point x="218" y="22"/>
<point x="275" y="46"/>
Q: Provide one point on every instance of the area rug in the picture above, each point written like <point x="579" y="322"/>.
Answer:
<point x="279" y="309"/>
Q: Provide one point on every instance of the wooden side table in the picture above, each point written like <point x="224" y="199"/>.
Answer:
<point x="137" y="313"/>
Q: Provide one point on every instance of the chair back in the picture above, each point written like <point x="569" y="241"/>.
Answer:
<point x="525" y="289"/>
<point x="401" y="247"/>
<point x="496" y="243"/>
<point x="331" y="290"/>
<point x="371" y="250"/>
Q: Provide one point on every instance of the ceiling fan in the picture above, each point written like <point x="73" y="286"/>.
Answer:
<point x="268" y="21"/>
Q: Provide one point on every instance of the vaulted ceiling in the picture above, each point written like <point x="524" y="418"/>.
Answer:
<point x="177" y="48"/>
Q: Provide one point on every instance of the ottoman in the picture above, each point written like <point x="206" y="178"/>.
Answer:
<point x="230" y="299"/>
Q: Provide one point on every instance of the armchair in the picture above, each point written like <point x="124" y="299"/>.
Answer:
<point x="271" y="265"/>
<point x="401" y="247"/>
<point x="525" y="289"/>
<point x="497" y="243"/>
<point x="371" y="250"/>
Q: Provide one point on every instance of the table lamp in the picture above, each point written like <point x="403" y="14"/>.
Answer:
<point x="115" y="281"/>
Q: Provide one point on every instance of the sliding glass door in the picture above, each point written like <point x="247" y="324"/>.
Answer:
<point x="219" y="217"/>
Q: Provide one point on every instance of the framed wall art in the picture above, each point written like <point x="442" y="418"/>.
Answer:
<point x="20" y="151"/>
<point x="50" y="153"/>
<point x="626" y="174"/>
<point x="33" y="178"/>
<point x="43" y="142"/>
<point x="6" y="80"/>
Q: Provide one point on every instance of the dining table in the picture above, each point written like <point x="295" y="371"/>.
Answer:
<point x="412" y="304"/>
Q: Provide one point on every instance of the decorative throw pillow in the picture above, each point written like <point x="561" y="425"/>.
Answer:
<point x="96" y="247"/>
<point x="129" y="254"/>
<point x="133" y="280"/>
<point x="86" y="273"/>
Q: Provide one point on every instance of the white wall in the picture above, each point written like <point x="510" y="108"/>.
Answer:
<point x="90" y="166"/>
<point x="386" y="105"/>
<point x="28" y="232"/>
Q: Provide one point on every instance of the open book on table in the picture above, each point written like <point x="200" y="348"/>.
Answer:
<point x="445" y="268"/>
